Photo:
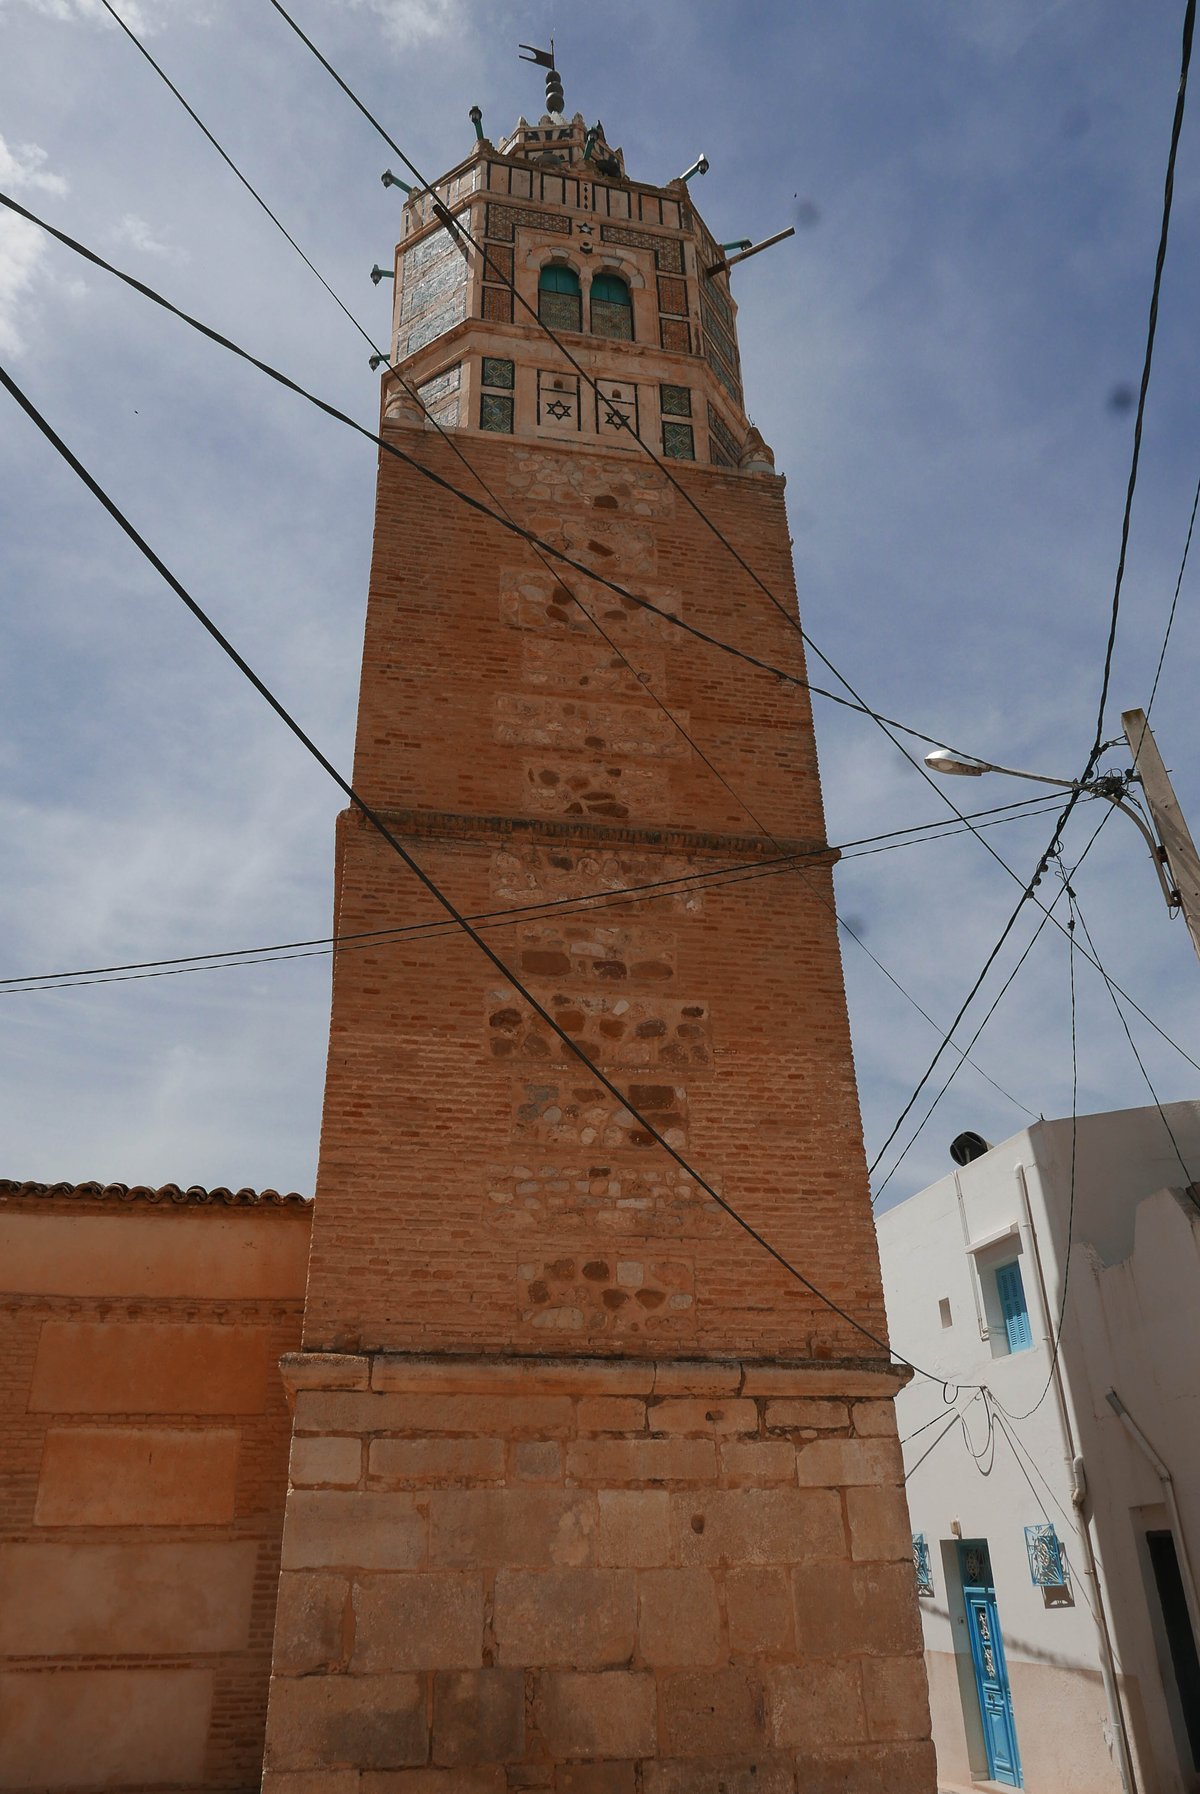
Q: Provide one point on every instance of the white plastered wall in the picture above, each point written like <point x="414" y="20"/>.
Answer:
<point x="1052" y="1645"/>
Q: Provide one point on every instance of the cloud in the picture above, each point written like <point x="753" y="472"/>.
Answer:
<point x="21" y="166"/>
<point x="135" y="231"/>
<point x="407" y="23"/>
<point x="144" y="19"/>
<point x="22" y="245"/>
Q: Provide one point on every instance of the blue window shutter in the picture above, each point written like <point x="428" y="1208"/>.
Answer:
<point x="1011" y="1292"/>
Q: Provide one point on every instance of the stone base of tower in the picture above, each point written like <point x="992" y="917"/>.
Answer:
<point x="595" y="1576"/>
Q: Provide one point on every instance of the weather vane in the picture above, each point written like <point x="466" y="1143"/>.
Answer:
<point x="555" y="103"/>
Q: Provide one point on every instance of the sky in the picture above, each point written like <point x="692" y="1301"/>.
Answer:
<point x="943" y="359"/>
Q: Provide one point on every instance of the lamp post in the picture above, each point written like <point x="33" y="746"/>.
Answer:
<point x="1172" y="851"/>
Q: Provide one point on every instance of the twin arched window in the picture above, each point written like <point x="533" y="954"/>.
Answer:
<point x="560" y="302"/>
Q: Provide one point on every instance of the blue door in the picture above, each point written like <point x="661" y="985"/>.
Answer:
<point x="987" y="1655"/>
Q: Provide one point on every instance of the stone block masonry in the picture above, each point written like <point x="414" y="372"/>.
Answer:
<point x="573" y="1573"/>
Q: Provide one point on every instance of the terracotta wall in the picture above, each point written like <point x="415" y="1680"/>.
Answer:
<point x="145" y="1438"/>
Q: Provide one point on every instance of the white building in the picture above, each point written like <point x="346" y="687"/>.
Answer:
<point x="1087" y="1679"/>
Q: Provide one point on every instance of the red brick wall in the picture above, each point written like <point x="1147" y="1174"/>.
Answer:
<point x="476" y="1189"/>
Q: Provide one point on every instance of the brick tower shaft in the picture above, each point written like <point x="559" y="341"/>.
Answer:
<point x="587" y="1492"/>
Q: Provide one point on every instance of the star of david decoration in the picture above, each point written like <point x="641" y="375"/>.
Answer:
<point x="557" y="408"/>
<point x="616" y="418"/>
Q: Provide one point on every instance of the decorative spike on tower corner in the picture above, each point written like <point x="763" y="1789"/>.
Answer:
<point x="586" y="1491"/>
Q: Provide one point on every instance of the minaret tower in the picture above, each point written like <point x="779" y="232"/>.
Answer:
<point x="587" y="1493"/>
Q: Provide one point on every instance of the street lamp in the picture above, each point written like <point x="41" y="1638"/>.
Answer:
<point x="1114" y="786"/>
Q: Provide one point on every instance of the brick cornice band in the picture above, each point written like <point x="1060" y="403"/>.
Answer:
<point x="453" y="825"/>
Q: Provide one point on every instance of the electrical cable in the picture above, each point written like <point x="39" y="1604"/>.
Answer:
<point x="453" y="223"/>
<point x="953" y="1421"/>
<point x="1070" y="1234"/>
<point x="449" y="438"/>
<point x="1189" y="21"/>
<point x="1097" y="745"/>
<point x="536" y="541"/>
<point x="988" y="1449"/>
<point x="588" y="902"/>
<point x="1046" y="917"/>
<point x="1188" y="1177"/>
<point x="1174" y="603"/>
<point x="376" y="821"/>
<point x="436" y="479"/>
<point x="138" y="45"/>
<point x="923" y="1428"/>
<point x="882" y="721"/>
<point x="1010" y="1434"/>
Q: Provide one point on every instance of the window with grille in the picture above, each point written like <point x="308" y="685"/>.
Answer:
<point x="611" y="308"/>
<point x="560" y="302"/>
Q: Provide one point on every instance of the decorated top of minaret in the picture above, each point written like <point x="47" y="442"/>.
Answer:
<point x="556" y="138"/>
<point x="542" y="292"/>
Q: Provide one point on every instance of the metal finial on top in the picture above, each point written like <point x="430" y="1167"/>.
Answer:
<point x="555" y="104"/>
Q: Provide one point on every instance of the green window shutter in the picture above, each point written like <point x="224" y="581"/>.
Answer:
<point x="556" y="279"/>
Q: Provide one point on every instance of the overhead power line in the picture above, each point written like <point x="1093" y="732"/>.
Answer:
<point x="1131" y="486"/>
<point x="1047" y="915"/>
<point x="557" y="554"/>
<point x="1189" y="23"/>
<point x="430" y="885"/>
<point x="454" y="223"/>
<point x="1174" y="604"/>
<point x="1188" y="1177"/>
<point x="436" y="479"/>
<point x="450" y="438"/>
<point x="586" y="903"/>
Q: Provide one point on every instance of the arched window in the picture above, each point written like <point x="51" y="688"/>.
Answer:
<point x="612" y="308"/>
<point x="559" y="301"/>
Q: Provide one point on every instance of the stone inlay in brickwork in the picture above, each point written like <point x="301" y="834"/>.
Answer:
<point x="629" y="1031"/>
<point x="590" y="666"/>
<point x="595" y="951"/>
<point x="646" y="1201"/>
<point x="612" y="793"/>
<point x="548" y="874"/>
<point x="540" y="601"/>
<point x="606" y="1293"/>
<point x="595" y="727"/>
<point x="633" y="490"/>
<point x="571" y="1112"/>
